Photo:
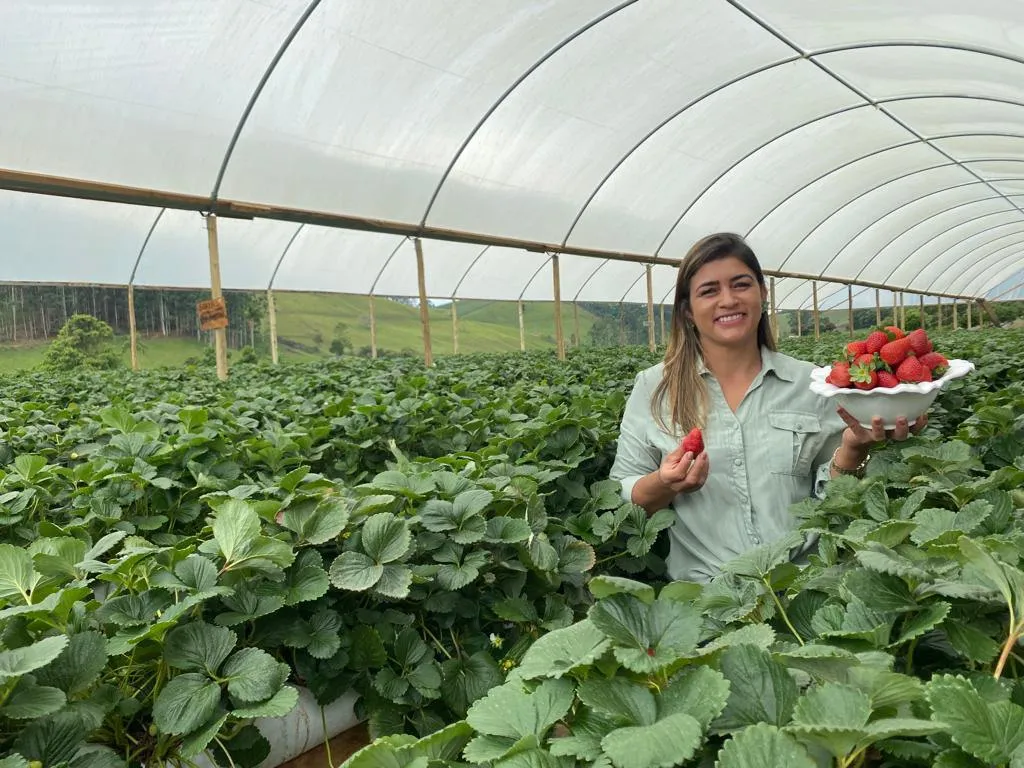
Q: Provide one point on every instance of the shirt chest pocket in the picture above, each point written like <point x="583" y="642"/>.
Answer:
<point x="793" y="441"/>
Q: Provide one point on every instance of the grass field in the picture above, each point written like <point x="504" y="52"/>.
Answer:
<point x="484" y="326"/>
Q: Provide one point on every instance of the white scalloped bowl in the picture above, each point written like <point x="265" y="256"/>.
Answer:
<point x="909" y="400"/>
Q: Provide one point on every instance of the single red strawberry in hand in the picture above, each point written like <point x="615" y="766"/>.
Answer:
<point x="894" y="332"/>
<point x="876" y="341"/>
<point x="887" y="379"/>
<point x="911" y="371"/>
<point x="839" y="376"/>
<point x="863" y="372"/>
<point x="694" y="442"/>
<point x="856" y="348"/>
<point x="935" y="363"/>
<point x="919" y="342"/>
<point x="895" y="352"/>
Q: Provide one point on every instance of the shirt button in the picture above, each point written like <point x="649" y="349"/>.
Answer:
<point x="799" y="425"/>
<point x="738" y="462"/>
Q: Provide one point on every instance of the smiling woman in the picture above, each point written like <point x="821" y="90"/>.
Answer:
<point x="769" y="442"/>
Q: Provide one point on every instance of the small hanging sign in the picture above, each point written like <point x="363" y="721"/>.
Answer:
<point x="213" y="314"/>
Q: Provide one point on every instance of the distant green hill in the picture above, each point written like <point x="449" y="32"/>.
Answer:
<point x="310" y="320"/>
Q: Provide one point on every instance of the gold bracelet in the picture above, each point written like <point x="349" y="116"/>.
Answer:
<point x="857" y="471"/>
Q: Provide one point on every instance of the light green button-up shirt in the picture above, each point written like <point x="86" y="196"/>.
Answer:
<point x="774" y="451"/>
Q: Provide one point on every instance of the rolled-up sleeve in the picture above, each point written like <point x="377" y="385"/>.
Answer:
<point x="635" y="456"/>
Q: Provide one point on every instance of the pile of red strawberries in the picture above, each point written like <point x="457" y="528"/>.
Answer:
<point x="888" y="358"/>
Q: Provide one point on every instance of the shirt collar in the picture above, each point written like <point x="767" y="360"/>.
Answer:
<point x="775" y="362"/>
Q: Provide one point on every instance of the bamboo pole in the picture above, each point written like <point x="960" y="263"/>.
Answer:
<point x="373" y="327"/>
<point x="132" y="329"/>
<point x="956" y="316"/>
<point x="903" y="310"/>
<point x="817" y="314"/>
<point x="921" y="309"/>
<point x="455" y="328"/>
<point x="522" y="328"/>
<point x="878" y="307"/>
<point x="970" y="318"/>
<point x="428" y="352"/>
<point x="272" y="314"/>
<point x="664" y="339"/>
<point x="799" y="322"/>
<point x="849" y="308"/>
<point x="938" y="313"/>
<point x="557" y="282"/>
<point x="220" y="338"/>
<point x="651" y="341"/>
<point x="576" y="323"/>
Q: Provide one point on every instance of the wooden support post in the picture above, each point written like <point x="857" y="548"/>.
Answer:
<point x="522" y="328"/>
<point x="817" y="314"/>
<point x="651" y="341"/>
<point x="878" y="307"/>
<point x="921" y="306"/>
<point x="773" y="308"/>
<point x="576" y="324"/>
<point x="455" y="328"/>
<point x="799" y="322"/>
<point x="373" y="328"/>
<point x="132" y="330"/>
<point x="970" y="317"/>
<point x="956" y="317"/>
<point x="849" y="308"/>
<point x="979" y="321"/>
<point x="557" y="282"/>
<point x="421" y="275"/>
<point x="987" y="309"/>
<point x="272" y="315"/>
<point x="664" y="338"/>
<point x="220" y="335"/>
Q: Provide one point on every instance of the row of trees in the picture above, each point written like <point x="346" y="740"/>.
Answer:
<point x="36" y="313"/>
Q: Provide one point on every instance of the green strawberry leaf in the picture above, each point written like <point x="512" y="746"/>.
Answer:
<point x="355" y="572"/>
<point x="185" y="704"/>
<point x="668" y="742"/>
<point x="79" y="664"/>
<point x="279" y="705"/>
<point x="385" y="538"/>
<point x="761" y="689"/>
<point x="19" y="661"/>
<point x="990" y="731"/>
<point x="763" y="746"/>
<point x="556" y="653"/>
<point x="254" y="675"/>
<point x="647" y="638"/>
<point x="29" y="701"/>
<point x="464" y="680"/>
<point x="603" y="586"/>
<point x="198" y="647"/>
<point x="317" y="521"/>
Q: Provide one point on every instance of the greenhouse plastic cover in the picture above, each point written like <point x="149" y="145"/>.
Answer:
<point x="876" y="141"/>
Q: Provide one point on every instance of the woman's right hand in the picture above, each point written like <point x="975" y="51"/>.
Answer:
<point x="682" y="472"/>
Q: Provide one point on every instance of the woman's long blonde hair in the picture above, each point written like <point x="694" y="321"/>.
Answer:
<point x="681" y="387"/>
